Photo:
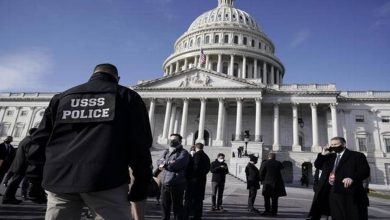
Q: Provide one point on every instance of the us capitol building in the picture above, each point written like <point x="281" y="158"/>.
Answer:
<point x="223" y="86"/>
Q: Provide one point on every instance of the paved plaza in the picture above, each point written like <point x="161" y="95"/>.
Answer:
<point x="295" y="206"/>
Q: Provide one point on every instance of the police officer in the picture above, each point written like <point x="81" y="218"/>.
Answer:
<point x="90" y="135"/>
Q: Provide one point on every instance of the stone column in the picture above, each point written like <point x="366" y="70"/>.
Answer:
<point x="295" y="146"/>
<point x="185" y="63"/>
<point x="315" y="147"/>
<point x="277" y="77"/>
<point x="16" y="120"/>
<point x="151" y="113"/>
<point x="202" y="117"/>
<point x="333" y="112"/>
<point x="176" y="121"/>
<point x="196" y="61"/>
<point x="219" y="65"/>
<point x="207" y="62"/>
<point x="218" y="140"/>
<point x="177" y="67"/>
<point x="265" y="74"/>
<point x="170" y="69"/>
<point x="172" y="119"/>
<point x="244" y="70"/>
<point x="255" y="73"/>
<point x="276" y="145"/>
<point x="184" y="116"/>
<point x="258" y="120"/>
<point x="3" y="110"/>
<point x="238" y="119"/>
<point x="231" y="65"/>
<point x="272" y="75"/>
<point x="166" y="120"/>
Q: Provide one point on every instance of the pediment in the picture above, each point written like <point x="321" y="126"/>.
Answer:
<point x="197" y="78"/>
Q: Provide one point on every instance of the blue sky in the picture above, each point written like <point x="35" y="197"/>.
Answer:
<point x="50" y="45"/>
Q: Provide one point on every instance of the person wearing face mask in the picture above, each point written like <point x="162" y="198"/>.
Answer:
<point x="340" y="192"/>
<point x="7" y="155"/>
<point x="219" y="169"/>
<point x="173" y="164"/>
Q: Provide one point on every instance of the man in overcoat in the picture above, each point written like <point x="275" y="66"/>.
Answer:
<point x="253" y="182"/>
<point x="273" y="185"/>
<point x="340" y="191"/>
<point x="7" y="155"/>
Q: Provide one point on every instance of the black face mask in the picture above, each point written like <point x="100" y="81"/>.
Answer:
<point x="337" y="149"/>
<point x="7" y="142"/>
<point x="174" y="143"/>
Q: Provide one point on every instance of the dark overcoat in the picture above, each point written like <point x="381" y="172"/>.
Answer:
<point x="271" y="178"/>
<point x="353" y="165"/>
<point x="198" y="174"/>
<point x="252" y="176"/>
<point x="7" y="157"/>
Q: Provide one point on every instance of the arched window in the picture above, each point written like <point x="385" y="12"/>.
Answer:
<point x="216" y="39"/>
<point x="191" y="43"/>
<point x="245" y="41"/>
<point x="236" y="39"/>
<point x="207" y="41"/>
<point x="253" y="43"/>
<point x="259" y="45"/>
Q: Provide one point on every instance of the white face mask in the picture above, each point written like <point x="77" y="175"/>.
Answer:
<point x="220" y="160"/>
<point x="192" y="153"/>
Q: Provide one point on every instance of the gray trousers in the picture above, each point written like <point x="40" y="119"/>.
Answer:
<point x="107" y="204"/>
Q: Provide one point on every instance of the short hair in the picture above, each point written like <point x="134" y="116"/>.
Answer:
<point x="32" y="130"/>
<point x="221" y="155"/>
<point x="177" y="135"/>
<point x="108" y="69"/>
<point x="253" y="158"/>
<point x="271" y="155"/>
<point x="199" y="146"/>
<point x="341" y="139"/>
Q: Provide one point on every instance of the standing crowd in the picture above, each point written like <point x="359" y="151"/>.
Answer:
<point x="94" y="140"/>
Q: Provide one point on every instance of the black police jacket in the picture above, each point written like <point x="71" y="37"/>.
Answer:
<point x="91" y="134"/>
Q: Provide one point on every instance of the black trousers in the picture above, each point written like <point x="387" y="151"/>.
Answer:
<point x="252" y="197"/>
<point x="345" y="207"/>
<point x="217" y="192"/>
<point x="172" y="196"/>
<point x="13" y="185"/>
<point x="267" y="204"/>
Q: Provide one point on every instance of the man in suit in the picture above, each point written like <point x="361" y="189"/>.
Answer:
<point x="253" y="182"/>
<point x="273" y="185"/>
<point x="219" y="169"/>
<point x="340" y="191"/>
<point x="7" y="155"/>
<point x="196" y="186"/>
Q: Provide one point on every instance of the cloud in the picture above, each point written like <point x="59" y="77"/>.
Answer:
<point x="24" y="70"/>
<point x="382" y="15"/>
<point x="299" y="38"/>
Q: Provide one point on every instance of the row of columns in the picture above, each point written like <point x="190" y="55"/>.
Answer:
<point x="34" y="110"/>
<point x="170" y="116"/>
<point x="275" y="74"/>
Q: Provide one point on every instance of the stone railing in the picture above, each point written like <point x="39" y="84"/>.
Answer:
<point x="365" y="94"/>
<point x="26" y="95"/>
<point x="304" y="87"/>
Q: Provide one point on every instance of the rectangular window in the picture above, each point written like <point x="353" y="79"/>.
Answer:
<point x="4" y="127"/>
<point x="23" y="113"/>
<point x="387" y="143"/>
<point x="226" y="39"/>
<point x="362" y="144"/>
<point x="359" y="118"/>
<point x="386" y="119"/>
<point x="10" y="113"/>
<point x="259" y="45"/>
<point x="18" y="130"/>
<point x="207" y="41"/>
<point x="235" y="40"/>
<point x="245" y="41"/>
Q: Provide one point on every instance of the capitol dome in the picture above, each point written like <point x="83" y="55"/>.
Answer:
<point x="232" y="43"/>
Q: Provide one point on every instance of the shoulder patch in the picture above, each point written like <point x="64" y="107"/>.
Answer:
<point x="86" y="108"/>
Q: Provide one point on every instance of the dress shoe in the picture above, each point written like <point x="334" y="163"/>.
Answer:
<point x="12" y="201"/>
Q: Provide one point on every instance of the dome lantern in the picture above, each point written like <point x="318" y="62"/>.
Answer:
<point x="225" y="2"/>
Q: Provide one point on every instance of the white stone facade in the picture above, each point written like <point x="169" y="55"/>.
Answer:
<point x="238" y="88"/>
